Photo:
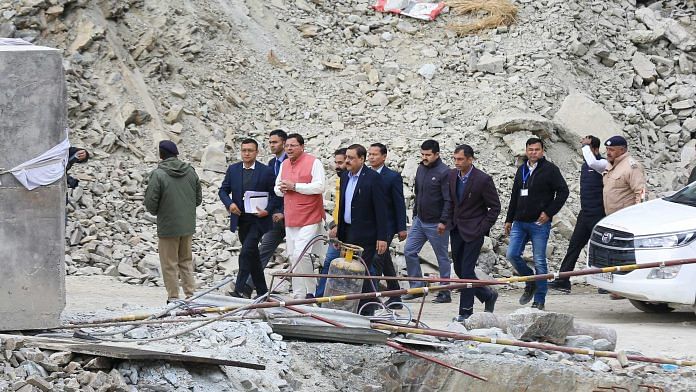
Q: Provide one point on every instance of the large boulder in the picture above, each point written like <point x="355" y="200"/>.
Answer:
<point x="214" y="158"/>
<point x="513" y="120"/>
<point x="517" y="141"/>
<point x="579" y="116"/>
<point x="530" y="324"/>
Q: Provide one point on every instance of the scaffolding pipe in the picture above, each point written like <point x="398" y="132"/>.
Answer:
<point x="519" y="343"/>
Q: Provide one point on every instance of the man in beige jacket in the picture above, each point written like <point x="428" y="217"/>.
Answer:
<point x="624" y="177"/>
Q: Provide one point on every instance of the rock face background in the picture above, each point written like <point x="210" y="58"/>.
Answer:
<point x="208" y="73"/>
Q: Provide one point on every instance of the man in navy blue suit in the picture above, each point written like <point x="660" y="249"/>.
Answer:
<point x="472" y="210"/>
<point x="276" y="235"/>
<point x="362" y="214"/>
<point x="396" y="213"/>
<point x="248" y="175"/>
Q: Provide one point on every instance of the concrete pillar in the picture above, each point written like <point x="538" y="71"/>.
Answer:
<point x="33" y="119"/>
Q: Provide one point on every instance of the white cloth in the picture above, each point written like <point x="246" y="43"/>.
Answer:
<point x="45" y="169"/>
<point x="316" y="187"/>
<point x="296" y="238"/>
<point x="598" y="165"/>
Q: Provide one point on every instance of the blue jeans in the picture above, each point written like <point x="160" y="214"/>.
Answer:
<point x="331" y="254"/>
<point x="420" y="233"/>
<point x="521" y="233"/>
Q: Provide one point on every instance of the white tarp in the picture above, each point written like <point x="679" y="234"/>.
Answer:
<point x="45" y="169"/>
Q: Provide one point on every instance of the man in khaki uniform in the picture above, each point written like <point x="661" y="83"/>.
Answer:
<point x="624" y="178"/>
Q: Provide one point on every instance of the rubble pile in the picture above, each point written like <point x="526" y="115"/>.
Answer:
<point x="207" y="74"/>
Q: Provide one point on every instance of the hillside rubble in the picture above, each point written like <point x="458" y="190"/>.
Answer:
<point x="208" y="73"/>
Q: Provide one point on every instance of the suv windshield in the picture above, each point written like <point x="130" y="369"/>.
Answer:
<point x="685" y="196"/>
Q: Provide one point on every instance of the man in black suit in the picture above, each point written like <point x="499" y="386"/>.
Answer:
<point x="248" y="175"/>
<point x="396" y="212"/>
<point x="362" y="214"/>
<point x="473" y="210"/>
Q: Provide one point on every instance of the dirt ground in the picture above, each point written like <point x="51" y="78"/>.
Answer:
<point x="672" y="334"/>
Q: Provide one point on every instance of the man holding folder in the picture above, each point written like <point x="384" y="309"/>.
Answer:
<point x="242" y="180"/>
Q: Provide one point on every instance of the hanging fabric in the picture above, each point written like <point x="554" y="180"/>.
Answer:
<point x="45" y="169"/>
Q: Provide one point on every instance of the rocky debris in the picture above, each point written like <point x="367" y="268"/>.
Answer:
<point x="579" y="116"/>
<point x="512" y="120"/>
<point x="346" y="74"/>
<point x="531" y="324"/>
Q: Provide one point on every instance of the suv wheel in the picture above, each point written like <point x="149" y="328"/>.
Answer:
<point x="651" y="307"/>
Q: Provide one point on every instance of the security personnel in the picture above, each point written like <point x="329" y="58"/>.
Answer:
<point x="624" y="178"/>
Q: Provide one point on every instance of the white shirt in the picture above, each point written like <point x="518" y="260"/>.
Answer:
<point x="312" y="188"/>
<point x="378" y="169"/>
<point x="252" y="167"/>
<point x="598" y="165"/>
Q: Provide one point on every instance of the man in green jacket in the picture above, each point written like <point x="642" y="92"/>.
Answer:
<point x="172" y="194"/>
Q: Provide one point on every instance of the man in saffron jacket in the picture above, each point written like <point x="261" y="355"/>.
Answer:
<point x="301" y="184"/>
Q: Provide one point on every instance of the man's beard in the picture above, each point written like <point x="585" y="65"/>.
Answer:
<point x="340" y="171"/>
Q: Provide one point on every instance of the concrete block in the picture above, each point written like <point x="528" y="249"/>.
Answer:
<point x="33" y="119"/>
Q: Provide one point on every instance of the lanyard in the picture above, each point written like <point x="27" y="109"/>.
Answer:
<point x="525" y="174"/>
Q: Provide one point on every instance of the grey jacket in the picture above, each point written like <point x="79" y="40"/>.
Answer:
<point x="432" y="193"/>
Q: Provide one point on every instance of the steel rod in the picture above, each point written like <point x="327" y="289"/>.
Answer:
<point x="518" y="343"/>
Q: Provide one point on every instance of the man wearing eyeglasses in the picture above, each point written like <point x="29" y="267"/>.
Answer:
<point x="301" y="184"/>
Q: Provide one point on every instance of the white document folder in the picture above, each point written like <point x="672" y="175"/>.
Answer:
<point x="254" y="200"/>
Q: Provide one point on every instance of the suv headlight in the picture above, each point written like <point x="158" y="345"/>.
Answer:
<point x="670" y="272"/>
<point x="665" y="241"/>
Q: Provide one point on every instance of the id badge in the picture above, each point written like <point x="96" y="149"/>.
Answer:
<point x="524" y="192"/>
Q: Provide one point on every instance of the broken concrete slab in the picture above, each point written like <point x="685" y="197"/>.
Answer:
<point x="534" y="325"/>
<point x="644" y="67"/>
<point x="580" y="116"/>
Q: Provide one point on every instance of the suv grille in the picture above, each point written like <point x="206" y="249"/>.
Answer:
<point x="609" y="248"/>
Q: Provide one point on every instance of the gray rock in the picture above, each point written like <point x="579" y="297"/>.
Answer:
<point x="427" y="71"/>
<point x="7" y="30"/>
<point x="533" y="325"/>
<point x="125" y="269"/>
<point x="578" y="48"/>
<point x="138" y="333"/>
<point x="600" y="366"/>
<point x="173" y="114"/>
<point x="214" y="158"/>
<point x="490" y="348"/>
<point x="517" y="142"/>
<point x="581" y="341"/>
<point x="596" y="331"/>
<point x="482" y="320"/>
<point x="602" y="345"/>
<point x="644" y="67"/>
<point x="491" y="64"/>
<point x="644" y="37"/>
<point x="514" y="119"/>
<point x="579" y="116"/>
<point x="682" y="105"/>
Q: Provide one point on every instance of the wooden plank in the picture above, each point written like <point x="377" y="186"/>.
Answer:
<point x="118" y="351"/>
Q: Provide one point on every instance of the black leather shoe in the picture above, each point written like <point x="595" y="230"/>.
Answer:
<point x="236" y="294"/>
<point x="443" y="297"/>
<point x="562" y="286"/>
<point x="537" y="305"/>
<point x="461" y="318"/>
<point x="529" y="291"/>
<point x="394" y="303"/>
<point x="309" y="296"/>
<point x="490" y="302"/>
<point x="247" y="291"/>
<point x="409" y="297"/>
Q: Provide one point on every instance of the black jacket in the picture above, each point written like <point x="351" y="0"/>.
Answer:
<point x="72" y="181"/>
<point x="368" y="209"/>
<point x="396" y="205"/>
<point x="277" y="201"/>
<point x="432" y="193"/>
<point x="547" y="192"/>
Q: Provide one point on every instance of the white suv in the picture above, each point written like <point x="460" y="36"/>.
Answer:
<point x="659" y="230"/>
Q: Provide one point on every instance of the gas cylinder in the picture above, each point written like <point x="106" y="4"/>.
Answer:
<point x="348" y="264"/>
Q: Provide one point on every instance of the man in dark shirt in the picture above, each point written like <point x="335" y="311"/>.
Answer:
<point x="591" y="207"/>
<point x="429" y="218"/>
<point x="538" y="193"/>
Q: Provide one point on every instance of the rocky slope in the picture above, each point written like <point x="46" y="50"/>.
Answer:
<point x="208" y="73"/>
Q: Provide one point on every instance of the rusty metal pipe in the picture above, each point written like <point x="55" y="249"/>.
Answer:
<point x="518" y="343"/>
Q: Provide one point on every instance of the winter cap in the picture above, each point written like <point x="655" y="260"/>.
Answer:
<point x="169" y="146"/>
<point x="616" y="141"/>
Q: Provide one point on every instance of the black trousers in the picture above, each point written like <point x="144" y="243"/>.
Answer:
<point x="465" y="255"/>
<point x="383" y="265"/>
<point x="578" y="240"/>
<point x="269" y="244"/>
<point x="249" y="258"/>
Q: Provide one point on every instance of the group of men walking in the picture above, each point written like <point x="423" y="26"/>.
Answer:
<point x="452" y="206"/>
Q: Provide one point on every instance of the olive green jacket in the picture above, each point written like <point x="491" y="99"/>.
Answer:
<point x="172" y="194"/>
